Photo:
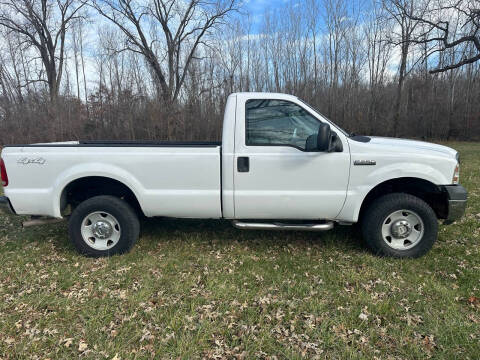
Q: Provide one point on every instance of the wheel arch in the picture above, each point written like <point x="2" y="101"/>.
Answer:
<point x="421" y="188"/>
<point x="85" y="187"/>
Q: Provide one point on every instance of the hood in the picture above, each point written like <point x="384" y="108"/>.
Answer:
<point x="413" y="146"/>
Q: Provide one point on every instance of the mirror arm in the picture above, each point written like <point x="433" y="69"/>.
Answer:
<point x="335" y="143"/>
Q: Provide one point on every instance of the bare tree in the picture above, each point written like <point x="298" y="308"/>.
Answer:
<point x="184" y="26"/>
<point x="403" y="14"/>
<point x="43" y="25"/>
<point x="76" y="54"/>
<point x="12" y="63"/>
<point x="378" y="55"/>
<point x="162" y="69"/>
<point x="439" y="30"/>
<point x="335" y="16"/>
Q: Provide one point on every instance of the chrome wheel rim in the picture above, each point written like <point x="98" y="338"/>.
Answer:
<point x="402" y="229"/>
<point x="100" y="230"/>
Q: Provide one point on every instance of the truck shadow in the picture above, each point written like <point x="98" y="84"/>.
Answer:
<point x="207" y="233"/>
<point x="222" y="232"/>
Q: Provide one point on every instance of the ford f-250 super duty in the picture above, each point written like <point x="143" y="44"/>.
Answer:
<point x="280" y="165"/>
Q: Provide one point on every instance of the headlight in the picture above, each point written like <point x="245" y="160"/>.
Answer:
<point x="456" y="174"/>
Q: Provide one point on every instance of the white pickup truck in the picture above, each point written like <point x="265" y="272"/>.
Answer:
<point x="281" y="165"/>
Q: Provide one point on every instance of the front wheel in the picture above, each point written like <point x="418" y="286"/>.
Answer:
<point x="103" y="226"/>
<point x="400" y="225"/>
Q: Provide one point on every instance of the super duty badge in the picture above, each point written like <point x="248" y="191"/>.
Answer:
<point x="364" y="162"/>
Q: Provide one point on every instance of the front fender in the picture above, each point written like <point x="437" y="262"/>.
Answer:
<point x="406" y="169"/>
<point x="363" y="180"/>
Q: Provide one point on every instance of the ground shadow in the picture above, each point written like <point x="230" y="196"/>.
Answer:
<point x="210" y="231"/>
<point x="222" y="231"/>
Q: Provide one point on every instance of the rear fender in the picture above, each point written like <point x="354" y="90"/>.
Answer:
<point x="97" y="170"/>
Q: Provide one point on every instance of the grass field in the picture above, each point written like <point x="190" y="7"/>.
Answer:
<point x="193" y="289"/>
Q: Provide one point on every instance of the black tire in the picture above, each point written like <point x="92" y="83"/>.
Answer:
<point x="376" y="216"/>
<point x="121" y="211"/>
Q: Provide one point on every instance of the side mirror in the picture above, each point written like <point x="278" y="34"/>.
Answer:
<point x="325" y="140"/>
<point x="324" y="137"/>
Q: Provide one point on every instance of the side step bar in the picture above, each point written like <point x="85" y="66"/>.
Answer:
<point x="282" y="226"/>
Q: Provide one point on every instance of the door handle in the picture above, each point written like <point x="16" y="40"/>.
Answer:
<point x="243" y="164"/>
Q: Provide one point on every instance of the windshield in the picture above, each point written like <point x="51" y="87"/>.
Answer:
<point x="325" y="118"/>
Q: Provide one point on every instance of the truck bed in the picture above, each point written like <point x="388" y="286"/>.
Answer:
<point x="176" y="179"/>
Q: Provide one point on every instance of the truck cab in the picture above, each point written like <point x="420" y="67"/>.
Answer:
<point x="271" y="165"/>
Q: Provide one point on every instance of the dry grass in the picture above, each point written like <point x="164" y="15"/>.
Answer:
<point x="192" y="289"/>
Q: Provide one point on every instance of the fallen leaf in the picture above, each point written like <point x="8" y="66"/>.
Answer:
<point x="473" y="300"/>
<point x="428" y="342"/>
<point x="363" y="317"/>
<point x="82" y="346"/>
<point x="68" y="342"/>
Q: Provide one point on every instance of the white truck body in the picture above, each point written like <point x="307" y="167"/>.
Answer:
<point x="203" y="180"/>
<point x="186" y="179"/>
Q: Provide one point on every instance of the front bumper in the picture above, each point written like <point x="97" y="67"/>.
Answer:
<point x="5" y="206"/>
<point x="457" y="202"/>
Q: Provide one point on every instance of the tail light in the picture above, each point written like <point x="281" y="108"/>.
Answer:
<point x="3" y="172"/>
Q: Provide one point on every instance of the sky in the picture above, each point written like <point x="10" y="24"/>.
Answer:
<point x="258" y="6"/>
<point x="256" y="9"/>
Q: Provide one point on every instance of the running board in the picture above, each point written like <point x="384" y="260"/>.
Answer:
<point x="282" y="226"/>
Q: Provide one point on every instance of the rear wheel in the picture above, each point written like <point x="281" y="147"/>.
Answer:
<point x="400" y="225"/>
<point x="103" y="226"/>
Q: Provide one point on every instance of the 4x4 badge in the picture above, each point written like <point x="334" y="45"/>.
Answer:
<point x="26" y="161"/>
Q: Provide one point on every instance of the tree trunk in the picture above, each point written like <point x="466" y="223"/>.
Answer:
<point x="398" y="98"/>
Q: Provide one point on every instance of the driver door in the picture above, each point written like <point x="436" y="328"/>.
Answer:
<point x="274" y="176"/>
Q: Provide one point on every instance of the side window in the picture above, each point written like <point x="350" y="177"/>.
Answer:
<point x="278" y="123"/>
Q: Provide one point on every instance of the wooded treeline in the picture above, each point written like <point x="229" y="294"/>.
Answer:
<point x="162" y="69"/>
